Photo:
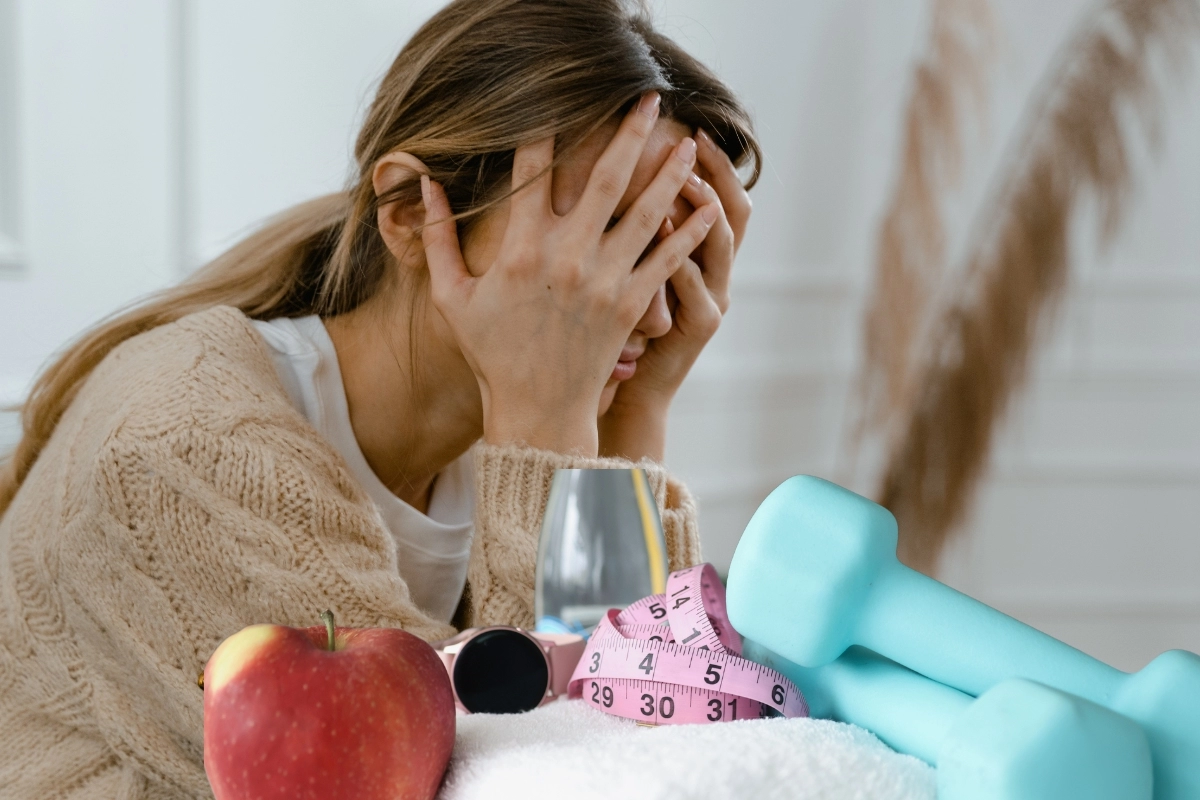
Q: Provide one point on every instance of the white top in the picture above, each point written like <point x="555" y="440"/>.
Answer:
<point x="432" y="549"/>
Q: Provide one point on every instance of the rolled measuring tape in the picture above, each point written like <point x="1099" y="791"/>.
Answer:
<point x="674" y="658"/>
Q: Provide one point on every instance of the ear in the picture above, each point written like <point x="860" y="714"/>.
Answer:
<point x="398" y="221"/>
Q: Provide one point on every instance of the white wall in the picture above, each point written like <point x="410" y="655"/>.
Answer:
<point x="151" y="132"/>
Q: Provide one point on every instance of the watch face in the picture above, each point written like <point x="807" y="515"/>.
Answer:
<point x="500" y="672"/>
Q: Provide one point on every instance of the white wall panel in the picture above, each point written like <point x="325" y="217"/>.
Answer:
<point x="1053" y="536"/>
<point x="784" y="321"/>
<point x="10" y="237"/>
<point x="1121" y="420"/>
<point x="1144" y="322"/>
<point x="773" y="425"/>
<point x="276" y="89"/>
<point x="94" y="150"/>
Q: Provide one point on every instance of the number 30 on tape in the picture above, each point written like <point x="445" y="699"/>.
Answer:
<point x="674" y="658"/>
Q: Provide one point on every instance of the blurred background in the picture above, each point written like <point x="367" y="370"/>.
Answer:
<point x="139" y="138"/>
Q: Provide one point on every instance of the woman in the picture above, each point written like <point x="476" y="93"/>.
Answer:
<point x="535" y="250"/>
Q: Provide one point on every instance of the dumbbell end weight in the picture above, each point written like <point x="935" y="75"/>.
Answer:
<point x="805" y="567"/>
<point x="1164" y="697"/>
<point x="1022" y="740"/>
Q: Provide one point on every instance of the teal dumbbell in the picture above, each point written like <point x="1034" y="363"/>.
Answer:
<point x="816" y="572"/>
<point x="1020" y="740"/>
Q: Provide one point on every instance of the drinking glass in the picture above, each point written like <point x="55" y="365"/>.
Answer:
<point x="601" y="547"/>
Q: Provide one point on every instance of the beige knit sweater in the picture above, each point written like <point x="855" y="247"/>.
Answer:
<point x="180" y="499"/>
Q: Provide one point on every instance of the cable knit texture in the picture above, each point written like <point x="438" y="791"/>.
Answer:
<point x="183" y="498"/>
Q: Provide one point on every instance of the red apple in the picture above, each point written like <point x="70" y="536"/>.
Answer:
<point x="363" y="713"/>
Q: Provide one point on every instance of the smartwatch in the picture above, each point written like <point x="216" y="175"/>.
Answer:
<point x="504" y="670"/>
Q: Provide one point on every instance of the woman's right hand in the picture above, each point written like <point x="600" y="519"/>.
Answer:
<point x="544" y="326"/>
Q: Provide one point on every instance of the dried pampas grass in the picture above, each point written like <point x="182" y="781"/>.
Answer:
<point x="1073" y="146"/>
<point x="910" y="252"/>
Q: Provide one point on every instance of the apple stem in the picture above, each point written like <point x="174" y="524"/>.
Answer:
<point x="327" y="616"/>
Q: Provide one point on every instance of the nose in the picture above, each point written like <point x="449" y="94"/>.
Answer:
<point x="656" y="321"/>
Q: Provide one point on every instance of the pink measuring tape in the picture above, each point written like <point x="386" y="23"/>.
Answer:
<point x="674" y="658"/>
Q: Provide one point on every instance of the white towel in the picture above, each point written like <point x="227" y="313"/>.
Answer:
<point x="569" y="751"/>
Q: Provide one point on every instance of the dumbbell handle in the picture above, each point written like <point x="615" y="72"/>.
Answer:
<point x="961" y="642"/>
<point x="909" y="712"/>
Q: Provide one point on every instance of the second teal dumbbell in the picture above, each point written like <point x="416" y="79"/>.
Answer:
<point x="816" y="572"/>
<point x="1020" y="740"/>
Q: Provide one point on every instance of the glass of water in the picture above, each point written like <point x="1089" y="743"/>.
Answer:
<point x="601" y="547"/>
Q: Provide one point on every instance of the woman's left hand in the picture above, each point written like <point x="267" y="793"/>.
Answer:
<point x="634" y="427"/>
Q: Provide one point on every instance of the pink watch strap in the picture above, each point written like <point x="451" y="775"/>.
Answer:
<point x="564" y="655"/>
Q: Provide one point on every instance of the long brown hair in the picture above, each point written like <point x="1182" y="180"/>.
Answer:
<point x="477" y="80"/>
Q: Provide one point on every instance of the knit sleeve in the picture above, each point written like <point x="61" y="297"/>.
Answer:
<point x="194" y="533"/>
<point x="513" y="484"/>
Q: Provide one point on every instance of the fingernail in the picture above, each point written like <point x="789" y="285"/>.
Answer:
<point x="648" y="105"/>
<point x="709" y="214"/>
<point x="425" y="191"/>
<point x="703" y="136"/>
<point x="687" y="150"/>
<point x="694" y="180"/>
<point x="670" y="226"/>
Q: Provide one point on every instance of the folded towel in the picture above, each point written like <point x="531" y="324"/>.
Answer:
<point x="569" y="750"/>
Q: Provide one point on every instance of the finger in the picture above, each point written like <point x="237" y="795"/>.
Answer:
<point x="697" y="313"/>
<point x="724" y="178"/>
<point x="699" y="192"/>
<point x="672" y="253"/>
<point x="531" y="183"/>
<point x="717" y="251"/>
<point x="610" y="177"/>
<point x="643" y="219"/>
<point x="447" y="271"/>
<point x="664" y="230"/>
<point x="680" y="210"/>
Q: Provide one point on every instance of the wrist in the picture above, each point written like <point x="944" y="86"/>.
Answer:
<point x="568" y="433"/>
<point x="634" y="433"/>
<point x="643" y="408"/>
